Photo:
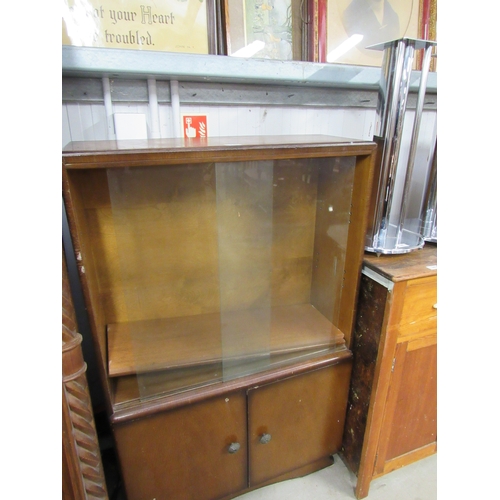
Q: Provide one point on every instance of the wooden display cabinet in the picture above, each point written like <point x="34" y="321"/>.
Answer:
<point x="392" y="409"/>
<point x="220" y="278"/>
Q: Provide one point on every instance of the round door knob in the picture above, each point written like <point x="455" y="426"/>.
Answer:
<point x="265" y="438"/>
<point x="234" y="447"/>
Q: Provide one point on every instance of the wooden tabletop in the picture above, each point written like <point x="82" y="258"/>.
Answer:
<point x="415" y="264"/>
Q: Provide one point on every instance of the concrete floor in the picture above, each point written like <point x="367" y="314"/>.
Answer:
<point x="417" y="481"/>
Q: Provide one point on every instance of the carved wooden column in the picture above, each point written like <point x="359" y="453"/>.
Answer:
<point x="83" y="475"/>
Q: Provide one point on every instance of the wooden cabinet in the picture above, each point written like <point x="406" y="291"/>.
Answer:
<point x="303" y="426"/>
<point x="392" y="410"/>
<point x="184" y="453"/>
<point x="220" y="277"/>
<point x="203" y="450"/>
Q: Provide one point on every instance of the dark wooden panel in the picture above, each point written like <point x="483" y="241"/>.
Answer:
<point x="304" y="416"/>
<point x="414" y="422"/>
<point x="365" y="347"/>
<point x="183" y="454"/>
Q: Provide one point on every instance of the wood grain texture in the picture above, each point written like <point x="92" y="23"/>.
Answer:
<point x="209" y="228"/>
<point x="414" y="421"/>
<point x="144" y="217"/>
<point x="304" y="416"/>
<point x="380" y="388"/>
<point x="183" y="454"/>
<point x="217" y="243"/>
<point x="360" y="199"/>
<point x="419" y="314"/>
<point x="83" y="245"/>
<point x="83" y="474"/>
<point x="365" y="347"/>
<point x="248" y="147"/>
<point x="408" y="458"/>
<point x="419" y="263"/>
<point x="133" y="410"/>
<point x="153" y="345"/>
<point x="401" y="391"/>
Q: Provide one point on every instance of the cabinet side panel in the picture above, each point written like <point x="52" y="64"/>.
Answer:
<point x="368" y="327"/>
<point x="184" y="454"/>
<point x="76" y="200"/>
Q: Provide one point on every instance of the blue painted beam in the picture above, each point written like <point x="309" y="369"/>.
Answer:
<point x="119" y="63"/>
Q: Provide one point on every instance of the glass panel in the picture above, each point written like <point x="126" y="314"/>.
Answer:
<point x="245" y="232"/>
<point x="221" y="270"/>
<point x="167" y="330"/>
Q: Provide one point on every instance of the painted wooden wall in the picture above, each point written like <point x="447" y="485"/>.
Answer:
<point x="87" y="121"/>
<point x="92" y="113"/>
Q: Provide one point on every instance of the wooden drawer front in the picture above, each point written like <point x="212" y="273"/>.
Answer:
<point x="419" y="312"/>
<point x="183" y="454"/>
<point x="304" y="415"/>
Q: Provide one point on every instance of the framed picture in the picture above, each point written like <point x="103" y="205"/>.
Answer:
<point x="167" y="26"/>
<point x="266" y="29"/>
<point x="353" y="25"/>
<point x="316" y="30"/>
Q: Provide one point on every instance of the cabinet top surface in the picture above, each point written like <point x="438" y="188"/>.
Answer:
<point x="213" y="143"/>
<point x="416" y="264"/>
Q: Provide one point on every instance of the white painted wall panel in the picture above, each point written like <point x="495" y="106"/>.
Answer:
<point x="100" y="121"/>
<point x="83" y="122"/>
<point x="165" y="120"/>
<point x="249" y="120"/>
<point x="272" y="120"/>
<point x="295" y="118"/>
<point x="76" y="131"/>
<point x="66" y="134"/>
<point x="358" y="123"/>
<point x="228" y="121"/>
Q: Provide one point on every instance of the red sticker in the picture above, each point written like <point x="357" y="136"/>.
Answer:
<point x="194" y="126"/>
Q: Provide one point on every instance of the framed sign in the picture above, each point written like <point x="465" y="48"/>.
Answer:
<point x="169" y="25"/>
<point x="353" y="25"/>
<point x="266" y="29"/>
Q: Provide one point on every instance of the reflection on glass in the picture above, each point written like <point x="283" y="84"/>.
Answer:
<point x="221" y="270"/>
<point x="267" y="29"/>
<point x="377" y="21"/>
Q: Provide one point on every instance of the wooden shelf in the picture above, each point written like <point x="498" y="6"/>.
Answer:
<point x="189" y="341"/>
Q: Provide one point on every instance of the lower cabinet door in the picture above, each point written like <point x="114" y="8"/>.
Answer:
<point x="191" y="453"/>
<point x="296" y="422"/>
<point x="409" y="429"/>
